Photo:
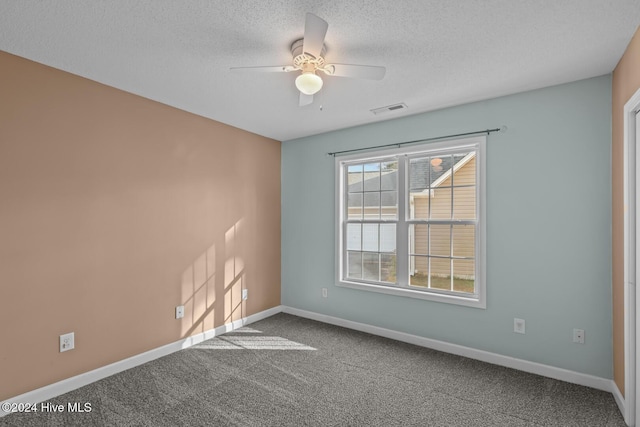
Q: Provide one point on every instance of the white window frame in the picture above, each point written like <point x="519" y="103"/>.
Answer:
<point x="477" y="300"/>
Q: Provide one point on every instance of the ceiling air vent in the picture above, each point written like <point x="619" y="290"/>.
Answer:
<point x="389" y="108"/>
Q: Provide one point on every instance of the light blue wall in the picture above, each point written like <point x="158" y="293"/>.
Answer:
<point x="548" y="227"/>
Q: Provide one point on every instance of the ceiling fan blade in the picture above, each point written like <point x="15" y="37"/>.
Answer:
<point x="273" y="69"/>
<point x="315" y="29"/>
<point x="355" y="71"/>
<point x="305" y="99"/>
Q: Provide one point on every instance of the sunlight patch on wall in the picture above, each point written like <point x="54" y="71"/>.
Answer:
<point x="234" y="277"/>
<point x="198" y="284"/>
<point x="198" y="293"/>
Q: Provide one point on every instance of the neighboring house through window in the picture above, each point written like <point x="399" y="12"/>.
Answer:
<point x="411" y="221"/>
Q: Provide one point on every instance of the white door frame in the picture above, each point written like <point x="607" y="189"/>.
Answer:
<point x="631" y="240"/>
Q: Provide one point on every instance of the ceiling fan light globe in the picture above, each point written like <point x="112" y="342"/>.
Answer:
<point x="308" y="83"/>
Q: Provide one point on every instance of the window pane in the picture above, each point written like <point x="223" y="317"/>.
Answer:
<point x="370" y="266"/>
<point x="389" y="176"/>
<point x="419" y="270"/>
<point x="372" y="205"/>
<point x="387" y="237"/>
<point x="441" y="203"/>
<point x="440" y="240"/>
<point x="464" y="202"/>
<point x="354" y="209"/>
<point x="465" y="174"/>
<point x="463" y="275"/>
<point x="441" y="170"/>
<point x="354" y="237"/>
<point x="354" y="178"/>
<point x="418" y="242"/>
<point x="354" y="265"/>
<point x="370" y="237"/>
<point x="440" y="271"/>
<point x="419" y="265"/>
<point x="464" y="240"/>
<point x="388" y="268"/>
<point x="419" y="175"/>
<point x="389" y="203"/>
<point x="419" y="204"/>
<point x="372" y="177"/>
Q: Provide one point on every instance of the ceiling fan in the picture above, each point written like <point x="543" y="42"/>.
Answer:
<point x="308" y="57"/>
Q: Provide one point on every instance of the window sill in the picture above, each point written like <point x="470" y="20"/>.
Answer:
<point x="472" y="301"/>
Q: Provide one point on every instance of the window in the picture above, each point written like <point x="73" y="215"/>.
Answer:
<point x="411" y="221"/>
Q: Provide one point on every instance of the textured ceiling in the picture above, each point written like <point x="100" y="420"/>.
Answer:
<point x="437" y="53"/>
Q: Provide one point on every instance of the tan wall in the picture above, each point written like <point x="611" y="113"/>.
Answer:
<point x="626" y="81"/>
<point x="115" y="209"/>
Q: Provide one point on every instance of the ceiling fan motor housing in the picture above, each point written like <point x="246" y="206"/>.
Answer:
<point x="300" y="58"/>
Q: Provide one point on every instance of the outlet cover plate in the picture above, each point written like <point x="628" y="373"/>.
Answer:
<point x="518" y="325"/>
<point x="180" y="312"/>
<point x="67" y="342"/>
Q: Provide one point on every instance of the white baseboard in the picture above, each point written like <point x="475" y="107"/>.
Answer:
<point x="69" y="384"/>
<point x="620" y="400"/>
<point x="472" y="353"/>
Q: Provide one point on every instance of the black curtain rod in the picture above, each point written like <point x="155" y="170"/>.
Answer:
<point x="400" y="144"/>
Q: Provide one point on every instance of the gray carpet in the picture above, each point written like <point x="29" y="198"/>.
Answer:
<point x="289" y="371"/>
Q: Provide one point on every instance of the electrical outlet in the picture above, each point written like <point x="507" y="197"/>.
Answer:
<point x="245" y="294"/>
<point x="67" y="342"/>
<point x="518" y="325"/>
<point x="325" y="293"/>
<point x="578" y="336"/>
<point x="180" y="312"/>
